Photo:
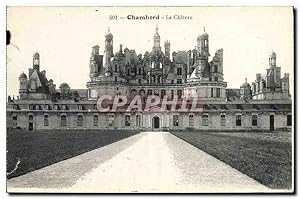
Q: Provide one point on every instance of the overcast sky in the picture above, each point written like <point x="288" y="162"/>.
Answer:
<point x="64" y="36"/>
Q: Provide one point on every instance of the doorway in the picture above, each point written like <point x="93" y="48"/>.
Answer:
<point x="271" y="122"/>
<point x="155" y="122"/>
<point x="30" y="126"/>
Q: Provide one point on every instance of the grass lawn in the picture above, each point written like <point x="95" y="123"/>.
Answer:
<point x="269" y="161"/>
<point x="35" y="150"/>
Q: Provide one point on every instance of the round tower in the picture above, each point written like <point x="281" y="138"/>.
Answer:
<point x="23" y="86"/>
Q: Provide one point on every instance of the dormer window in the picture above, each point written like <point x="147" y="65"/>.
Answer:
<point x="56" y="107"/>
<point x="47" y="107"/>
<point x="80" y="107"/>
<point x="64" y="107"/>
<point x="15" y="107"/>
<point x="179" y="71"/>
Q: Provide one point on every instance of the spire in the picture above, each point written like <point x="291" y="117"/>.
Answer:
<point x="246" y="79"/>
<point x="204" y="29"/>
<point x="108" y="29"/>
<point x="156" y="29"/>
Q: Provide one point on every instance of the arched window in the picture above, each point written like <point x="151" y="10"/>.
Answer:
<point x="138" y="121"/>
<point x="63" y="120"/>
<point x="95" y="120"/>
<point x="175" y="120"/>
<point x="153" y="78"/>
<point x="46" y="120"/>
<point x="205" y="120"/>
<point x="191" y="120"/>
<point x="158" y="79"/>
<point x="127" y="120"/>
<point x="80" y="120"/>
<point x="149" y="92"/>
<point x="163" y="92"/>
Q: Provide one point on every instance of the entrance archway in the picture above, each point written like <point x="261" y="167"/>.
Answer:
<point x="155" y="122"/>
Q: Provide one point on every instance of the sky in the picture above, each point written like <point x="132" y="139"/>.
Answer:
<point x="64" y="36"/>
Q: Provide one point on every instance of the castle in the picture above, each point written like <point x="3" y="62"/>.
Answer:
<point x="266" y="105"/>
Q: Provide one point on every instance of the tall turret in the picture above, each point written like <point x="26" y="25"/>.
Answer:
<point x="156" y="40"/>
<point x="203" y="68"/>
<point x="23" y="86"/>
<point x="36" y="61"/>
<point x="272" y="60"/>
<point x="203" y="45"/>
<point x="167" y="49"/>
<point x="96" y="63"/>
<point x="108" y="48"/>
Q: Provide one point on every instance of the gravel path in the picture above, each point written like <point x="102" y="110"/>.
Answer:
<point x="154" y="162"/>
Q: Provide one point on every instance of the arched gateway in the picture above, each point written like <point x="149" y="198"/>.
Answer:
<point x="155" y="123"/>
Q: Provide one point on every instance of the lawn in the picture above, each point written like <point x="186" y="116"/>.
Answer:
<point x="269" y="161"/>
<point x="35" y="150"/>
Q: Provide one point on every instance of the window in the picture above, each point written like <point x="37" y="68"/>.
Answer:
<point x="223" y="120"/>
<point x="191" y="120"/>
<point x="95" y="120"/>
<point x="31" y="107"/>
<point x="128" y="72"/>
<point x="175" y="120"/>
<point x="215" y="79"/>
<point x="149" y="92"/>
<point x="238" y="121"/>
<point x="158" y="79"/>
<point x="46" y="120"/>
<point x="30" y="117"/>
<point x="138" y="121"/>
<point x="116" y="68"/>
<point x="63" y="120"/>
<point x="172" y="81"/>
<point x="172" y="93"/>
<point x="47" y="107"/>
<point x="64" y="107"/>
<point x="163" y="92"/>
<point x="179" y="71"/>
<point x="179" y="93"/>
<point x="15" y="120"/>
<point x="216" y="69"/>
<point x="289" y="120"/>
<point x="80" y="107"/>
<point x="140" y="81"/>
<point x="55" y="107"/>
<point x="15" y="107"/>
<point x="80" y="120"/>
<point x="205" y="120"/>
<point x="212" y="92"/>
<point x="254" y="120"/>
<point x="140" y="71"/>
<point x="111" y="119"/>
<point x="116" y="78"/>
<point x="153" y="79"/>
<point x="218" y="92"/>
<point x="179" y="81"/>
<point x="127" y="120"/>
